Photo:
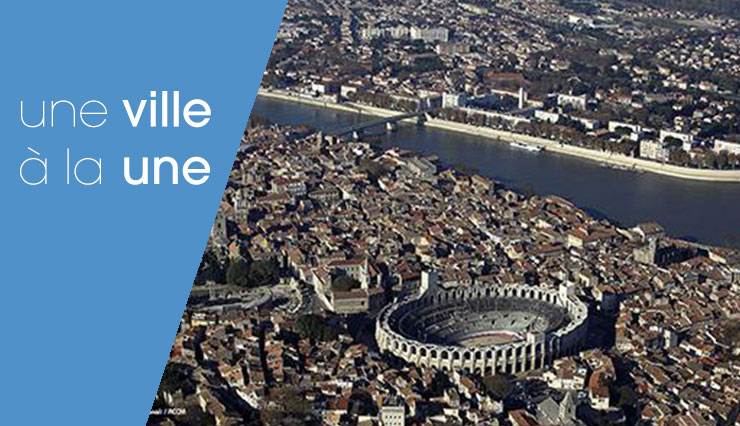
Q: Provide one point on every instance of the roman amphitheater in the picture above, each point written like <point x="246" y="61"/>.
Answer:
<point x="484" y="329"/>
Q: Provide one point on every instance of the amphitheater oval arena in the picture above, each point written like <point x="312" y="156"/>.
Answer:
<point x="484" y="330"/>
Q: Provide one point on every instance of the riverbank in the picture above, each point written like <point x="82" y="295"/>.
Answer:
<point x="613" y="159"/>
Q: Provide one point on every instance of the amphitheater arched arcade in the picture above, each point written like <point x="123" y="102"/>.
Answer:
<point x="523" y="328"/>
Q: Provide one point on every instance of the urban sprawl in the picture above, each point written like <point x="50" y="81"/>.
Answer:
<point x="345" y="284"/>
<point x="630" y="80"/>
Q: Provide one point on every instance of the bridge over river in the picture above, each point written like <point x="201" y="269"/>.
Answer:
<point x="391" y="124"/>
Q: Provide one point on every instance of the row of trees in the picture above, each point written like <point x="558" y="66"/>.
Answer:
<point x="382" y="100"/>
<point x="566" y="131"/>
<point x="572" y="133"/>
<point x="706" y="160"/>
<point x="315" y="328"/>
<point x="237" y="272"/>
<point x="258" y="273"/>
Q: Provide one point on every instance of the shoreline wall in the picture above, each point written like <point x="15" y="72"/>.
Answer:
<point x="502" y="136"/>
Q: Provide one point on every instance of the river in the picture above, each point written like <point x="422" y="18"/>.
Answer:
<point x="706" y="212"/>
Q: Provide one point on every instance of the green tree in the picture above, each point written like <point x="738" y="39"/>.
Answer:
<point x="176" y="377"/>
<point x="627" y="397"/>
<point x="236" y="274"/>
<point x="286" y="406"/>
<point x="499" y="386"/>
<point x="344" y="283"/>
<point x="210" y="269"/>
<point x="263" y="272"/>
<point x="373" y="168"/>
<point x="731" y="334"/>
<point x="315" y="328"/>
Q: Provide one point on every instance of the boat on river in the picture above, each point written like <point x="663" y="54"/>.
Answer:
<point x="525" y="147"/>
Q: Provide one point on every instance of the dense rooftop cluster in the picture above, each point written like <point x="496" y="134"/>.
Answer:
<point x="354" y="227"/>
<point x="611" y="76"/>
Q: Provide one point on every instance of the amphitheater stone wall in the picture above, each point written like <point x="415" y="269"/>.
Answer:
<point x="530" y="353"/>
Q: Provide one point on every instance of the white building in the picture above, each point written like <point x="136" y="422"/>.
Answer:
<point x="370" y="33"/>
<point x="454" y="100"/>
<point x="523" y="98"/>
<point x="634" y="128"/>
<point x="357" y="268"/>
<point x="430" y="34"/>
<point x="550" y="117"/>
<point x="576" y="102"/>
<point x="397" y="32"/>
<point x="446" y="48"/>
<point x="347" y="90"/>
<point x="429" y="282"/>
<point x="588" y="123"/>
<point x="323" y="88"/>
<point x="392" y="415"/>
<point x="730" y="147"/>
<point x="687" y="140"/>
<point x="654" y="150"/>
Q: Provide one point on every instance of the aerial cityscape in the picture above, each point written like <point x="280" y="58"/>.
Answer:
<point x="350" y="282"/>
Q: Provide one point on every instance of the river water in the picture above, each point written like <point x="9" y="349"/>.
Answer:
<point x="706" y="212"/>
